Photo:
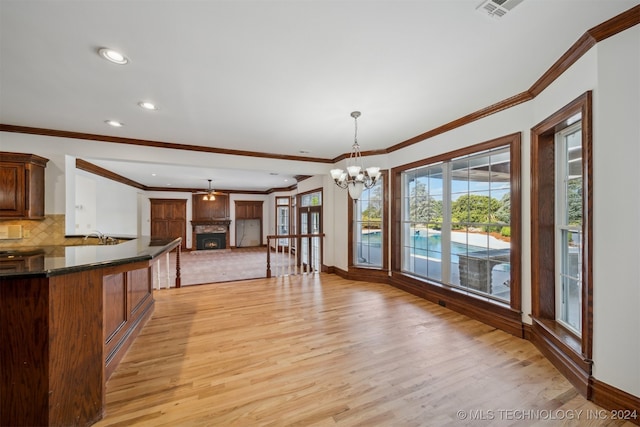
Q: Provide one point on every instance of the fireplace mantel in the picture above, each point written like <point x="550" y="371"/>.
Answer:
<point x="212" y="221"/>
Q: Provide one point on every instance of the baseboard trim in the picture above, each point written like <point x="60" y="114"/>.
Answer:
<point x="620" y="403"/>
<point x="571" y="364"/>
<point x="499" y="316"/>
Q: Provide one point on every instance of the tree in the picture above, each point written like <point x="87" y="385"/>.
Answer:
<point x="423" y="208"/>
<point x="371" y="217"/>
<point x="574" y="201"/>
<point x="503" y="214"/>
<point x="474" y="208"/>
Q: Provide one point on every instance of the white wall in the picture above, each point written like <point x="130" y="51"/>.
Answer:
<point x="112" y="207"/>
<point x="616" y="231"/>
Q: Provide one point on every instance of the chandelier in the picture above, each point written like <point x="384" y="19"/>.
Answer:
<point x="356" y="178"/>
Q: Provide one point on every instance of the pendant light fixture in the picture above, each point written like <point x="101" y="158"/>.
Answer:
<point x="356" y="178"/>
<point x="209" y="196"/>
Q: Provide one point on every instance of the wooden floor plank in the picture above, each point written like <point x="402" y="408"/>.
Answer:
<point x="320" y="350"/>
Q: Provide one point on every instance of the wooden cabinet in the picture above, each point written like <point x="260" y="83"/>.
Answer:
<point x="63" y="336"/>
<point x="169" y="219"/>
<point x="128" y="302"/>
<point x="248" y="209"/>
<point x="210" y="209"/>
<point x="52" y="350"/>
<point x="21" y="186"/>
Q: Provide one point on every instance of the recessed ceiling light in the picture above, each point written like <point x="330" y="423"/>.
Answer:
<point x="114" y="123"/>
<point x="147" y="105"/>
<point x="304" y="151"/>
<point x="113" y="56"/>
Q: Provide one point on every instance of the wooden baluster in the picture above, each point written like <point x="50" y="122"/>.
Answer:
<point x="280" y="258"/>
<point x="168" y="271"/>
<point x="277" y="260"/>
<point x="268" y="258"/>
<point x="178" y="279"/>
<point x="157" y="284"/>
<point x="289" y="256"/>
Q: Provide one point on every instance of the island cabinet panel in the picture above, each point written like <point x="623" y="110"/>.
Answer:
<point x="73" y="297"/>
<point x="114" y="288"/>
<point x="24" y="391"/>
<point x="128" y="304"/>
<point x="51" y="350"/>
<point x="140" y="289"/>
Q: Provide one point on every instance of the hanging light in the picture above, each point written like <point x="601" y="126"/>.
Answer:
<point x="356" y="178"/>
<point x="209" y="196"/>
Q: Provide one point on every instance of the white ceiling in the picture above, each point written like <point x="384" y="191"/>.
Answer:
<point x="277" y="77"/>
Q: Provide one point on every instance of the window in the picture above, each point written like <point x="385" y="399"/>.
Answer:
<point x="311" y="199"/>
<point x="282" y="219"/>
<point x="569" y="227"/>
<point x="456" y="223"/>
<point x="561" y="242"/>
<point x="368" y="221"/>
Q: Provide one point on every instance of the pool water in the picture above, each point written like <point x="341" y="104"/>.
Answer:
<point x="429" y="246"/>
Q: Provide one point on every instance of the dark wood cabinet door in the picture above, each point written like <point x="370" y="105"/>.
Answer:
<point x="12" y="189"/>
<point x="169" y="219"/>
<point x="21" y="185"/>
<point x="246" y="209"/>
<point x="210" y="209"/>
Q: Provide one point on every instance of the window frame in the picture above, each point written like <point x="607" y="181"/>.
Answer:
<point x="505" y="315"/>
<point x="570" y="353"/>
<point x="278" y="207"/>
<point x="451" y="187"/>
<point x="353" y="265"/>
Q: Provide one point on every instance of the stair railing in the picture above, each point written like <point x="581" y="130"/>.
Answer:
<point x="294" y="254"/>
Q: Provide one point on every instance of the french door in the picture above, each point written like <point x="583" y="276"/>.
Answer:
<point x="310" y="222"/>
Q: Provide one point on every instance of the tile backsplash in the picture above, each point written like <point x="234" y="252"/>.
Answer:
<point x="49" y="231"/>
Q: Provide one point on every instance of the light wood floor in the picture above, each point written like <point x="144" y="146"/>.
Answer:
<point x="323" y="351"/>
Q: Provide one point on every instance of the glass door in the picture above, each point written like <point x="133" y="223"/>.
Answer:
<point x="310" y="223"/>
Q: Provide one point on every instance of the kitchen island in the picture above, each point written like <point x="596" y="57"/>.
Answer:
<point x="68" y="315"/>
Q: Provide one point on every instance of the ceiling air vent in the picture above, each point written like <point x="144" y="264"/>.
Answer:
<point x="498" y="8"/>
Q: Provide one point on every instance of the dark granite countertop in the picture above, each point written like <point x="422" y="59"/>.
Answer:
<point x="46" y="261"/>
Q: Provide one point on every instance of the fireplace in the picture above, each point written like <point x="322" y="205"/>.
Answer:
<point x="210" y="234"/>
<point x="207" y="241"/>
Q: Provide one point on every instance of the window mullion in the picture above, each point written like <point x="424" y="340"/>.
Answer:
<point x="445" y="237"/>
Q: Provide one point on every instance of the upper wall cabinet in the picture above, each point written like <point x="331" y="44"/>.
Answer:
<point x="210" y="209"/>
<point x="248" y="209"/>
<point x="21" y="186"/>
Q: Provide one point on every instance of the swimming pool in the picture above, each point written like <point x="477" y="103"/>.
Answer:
<point x="429" y="246"/>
